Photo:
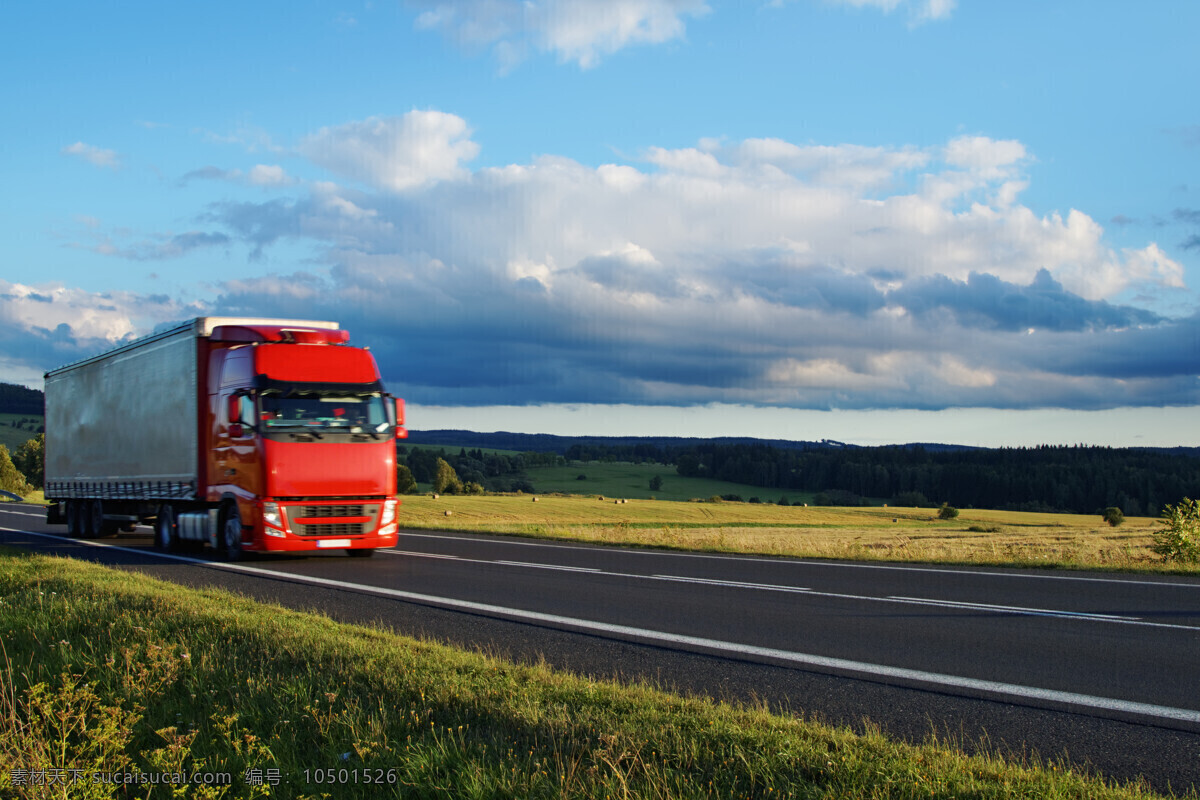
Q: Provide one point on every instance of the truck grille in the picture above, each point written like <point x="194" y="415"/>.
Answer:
<point x="333" y="521"/>
<point x="330" y="529"/>
<point x="329" y="511"/>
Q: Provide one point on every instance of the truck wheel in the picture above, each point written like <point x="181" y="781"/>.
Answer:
<point x="231" y="532"/>
<point x="99" y="525"/>
<point x="93" y="518"/>
<point x="361" y="552"/>
<point x="166" y="536"/>
<point x="73" y="522"/>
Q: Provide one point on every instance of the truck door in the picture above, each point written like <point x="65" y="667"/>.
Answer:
<point x="235" y="454"/>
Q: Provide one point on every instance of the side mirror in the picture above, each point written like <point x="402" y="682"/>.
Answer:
<point x="234" y="410"/>
<point x="401" y="432"/>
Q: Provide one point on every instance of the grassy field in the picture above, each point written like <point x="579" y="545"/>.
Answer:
<point x="13" y="437"/>
<point x="105" y="671"/>
<point x="633" y="481"/>
<point x="870" y="533"/>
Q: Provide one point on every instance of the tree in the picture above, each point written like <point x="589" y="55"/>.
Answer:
<point x="947" y="511"/>
<point x="445" y="479"/>
<point x="1179" y="538"/>
<point x="405" y="482"/>
<point x="11" y="479"/>
<point x="30" y="459"/>
<point x="1113" y="516"/>
<point x="656" y="483"/>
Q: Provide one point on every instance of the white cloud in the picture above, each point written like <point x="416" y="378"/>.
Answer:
<point x="580" y="31"/>
<point x="99" y="318"/>
<point x="759" y="271"/>
<point x="96" y="156"/>
<point x="268" y="175"/>
<point x="919" y="10"/>
<point x="395" y="153"/>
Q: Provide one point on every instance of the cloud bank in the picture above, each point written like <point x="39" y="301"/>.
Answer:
<point x="759" y="272"/>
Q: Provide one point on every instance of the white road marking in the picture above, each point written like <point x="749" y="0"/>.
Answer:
<point x="504" y="539"/>
<point x="1084" y="616"/>
<point x="984" y="687"/>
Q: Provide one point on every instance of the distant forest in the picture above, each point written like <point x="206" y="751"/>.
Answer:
<point x="16" y="399"/>
<point x="1077" y="479"/>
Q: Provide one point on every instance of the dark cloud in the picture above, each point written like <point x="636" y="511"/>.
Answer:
<point x="986" y="301"/>
<point x="817" y="288"/>
<point x="209" y="173"/>
<point x="259" y="224"/>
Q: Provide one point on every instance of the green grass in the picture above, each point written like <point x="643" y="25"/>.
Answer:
<point x="104" y="670"/>
<point x="13" y="437"/>
<point x="633" y="480"/>
<point x="977" y="536"/>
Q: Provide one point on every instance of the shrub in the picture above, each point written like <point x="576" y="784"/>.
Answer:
<point x="11" y="479"/>
<point x="405" y="482"/>
<point x="656" y="483"/>
<point x="581" y="477"/>
<point x="1179" y="538"/>
<point x="947" y="511"/>
<point x="30" y="459"/>
<point x="445" y="479"/>
<point x="1113" y="516"/>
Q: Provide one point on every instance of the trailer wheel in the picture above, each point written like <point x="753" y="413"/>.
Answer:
<point x="73" y="526"/>
<point x="166" y="535"/>
<point x="96" y="524"/>
<point x="231" y="532"/>
<point x="93" y="518"/>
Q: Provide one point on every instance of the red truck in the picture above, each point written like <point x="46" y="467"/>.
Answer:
<point x="248" y="434"/>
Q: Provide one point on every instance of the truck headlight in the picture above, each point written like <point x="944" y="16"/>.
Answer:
<point x="389" y="513"/>
<point x="271" y="515"/>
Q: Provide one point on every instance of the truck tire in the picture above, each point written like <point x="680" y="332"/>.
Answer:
<point x="93" y="518"/>
<point x="98" y="526"/>
<point x="231" y="533"/>
<point x="166" y="535"/>
<point x="74" y="528"/>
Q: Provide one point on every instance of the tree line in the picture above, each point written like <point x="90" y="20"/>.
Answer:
<point x="1074" y="479"/>
<point x="15" y="399"/>
<point x="470" y="471"/>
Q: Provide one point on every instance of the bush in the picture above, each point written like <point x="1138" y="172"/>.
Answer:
<point x="405" y="482"/>
<point x="30" y="459"/>
<point x="656" y="483"/>
<point x="11" y="480"/>
<point x="1179" y="538"/>
<point x="947" y="511"/>
<point x="445" y="479"/>
<point x="1113" y="516"/>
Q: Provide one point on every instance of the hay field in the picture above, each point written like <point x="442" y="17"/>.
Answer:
<point x="874" y="533"/>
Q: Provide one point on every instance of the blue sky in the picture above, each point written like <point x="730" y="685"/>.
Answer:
<point x="868" y="220"/>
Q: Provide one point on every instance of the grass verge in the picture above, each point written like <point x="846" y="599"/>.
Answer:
<point x="105" y="671"/>
<point x="977" y="536"/>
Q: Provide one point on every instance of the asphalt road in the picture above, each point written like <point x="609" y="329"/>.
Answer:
<point x="1101" y="670"/>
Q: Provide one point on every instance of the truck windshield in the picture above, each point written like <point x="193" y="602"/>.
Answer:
<point x="364" y="413"/>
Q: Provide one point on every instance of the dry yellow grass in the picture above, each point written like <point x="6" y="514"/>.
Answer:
<point x="883" y="534"/>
